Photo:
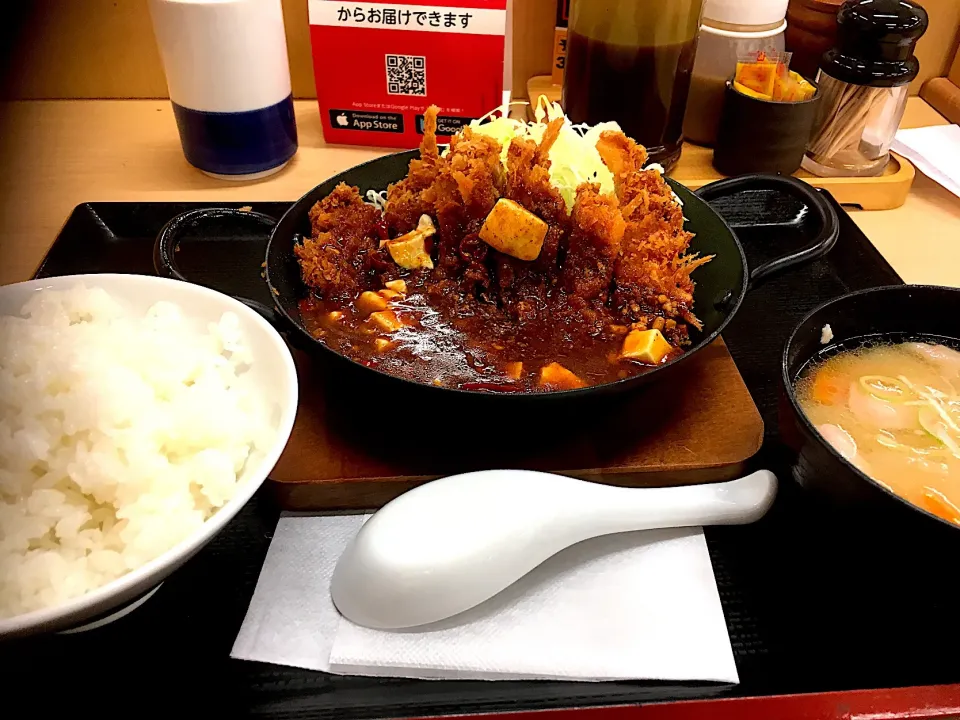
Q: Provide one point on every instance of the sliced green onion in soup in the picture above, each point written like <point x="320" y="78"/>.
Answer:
<point x="932" y="421"/>
<point x="889" y="441"/>
<point x="884" y="387"/>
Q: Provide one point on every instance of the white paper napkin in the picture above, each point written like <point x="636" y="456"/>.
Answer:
<point x="630" y="606"/>
<point x="935" y="151"/>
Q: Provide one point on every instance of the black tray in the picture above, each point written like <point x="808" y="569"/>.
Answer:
<point x="810" y="606"/>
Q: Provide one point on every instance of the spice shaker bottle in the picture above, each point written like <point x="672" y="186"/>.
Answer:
<point x="229" y="81"/>
<point x="730" y="30"/>
<point x="630" y="61"/>
<point x="863" y="86"/>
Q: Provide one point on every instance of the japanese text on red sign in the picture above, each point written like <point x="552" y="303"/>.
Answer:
<point x="404" y="18"/>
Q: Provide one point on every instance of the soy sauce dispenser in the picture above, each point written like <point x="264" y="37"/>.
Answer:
<point x="864" y="82"/>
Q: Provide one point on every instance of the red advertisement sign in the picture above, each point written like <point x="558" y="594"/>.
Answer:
<point x="380" y="64"/>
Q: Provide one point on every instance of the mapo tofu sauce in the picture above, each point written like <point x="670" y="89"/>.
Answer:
<point x="477" y="350"/>
<point x="478" y="273"/>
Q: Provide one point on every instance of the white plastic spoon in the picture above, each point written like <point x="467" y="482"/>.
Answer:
<point x="447" y="546"/>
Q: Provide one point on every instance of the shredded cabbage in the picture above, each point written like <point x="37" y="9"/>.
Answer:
<point x="573" y="158"/>
<point x="377" y="198"/>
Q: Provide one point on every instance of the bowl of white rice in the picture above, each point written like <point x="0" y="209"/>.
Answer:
<point x="137" y="416"/>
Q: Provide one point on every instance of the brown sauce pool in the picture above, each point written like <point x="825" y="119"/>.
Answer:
<point x="476" y="347"/>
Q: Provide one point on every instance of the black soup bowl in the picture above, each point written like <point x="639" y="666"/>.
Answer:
<point x="896" y="313"/>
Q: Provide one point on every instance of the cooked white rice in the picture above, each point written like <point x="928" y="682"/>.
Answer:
<point x="119" y="436"/>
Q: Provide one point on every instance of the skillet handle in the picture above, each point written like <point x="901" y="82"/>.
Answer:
<point x="168" y="242"/>
<point x="829" y="221"/>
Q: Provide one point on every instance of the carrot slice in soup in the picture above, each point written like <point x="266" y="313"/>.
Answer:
<point x="828" y="389"/>
<point x="936" y="502"/>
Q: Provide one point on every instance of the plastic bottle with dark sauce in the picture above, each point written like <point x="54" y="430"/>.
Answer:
<point x="630" y="61"/>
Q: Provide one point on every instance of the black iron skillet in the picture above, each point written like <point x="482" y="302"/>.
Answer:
<point x="720" y="284"/>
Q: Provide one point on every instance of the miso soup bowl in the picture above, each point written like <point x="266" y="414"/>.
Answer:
<point x="896" y="313"/>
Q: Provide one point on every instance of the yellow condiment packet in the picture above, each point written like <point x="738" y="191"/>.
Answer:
<point x="743" y="89"/>
<point x="786" y="88"/>
<point x="758" y="76"/>
<point x="806" y="89"/>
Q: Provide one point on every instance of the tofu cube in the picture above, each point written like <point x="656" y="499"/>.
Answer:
<point x="513" y="370"/>
<point x="386" y="320"/>
<point x="557" y="377"/>
<point x="370" y="302"/>
<point x="382" y="344"/>
<point x="647" y="346"/>
<point x="388" y="294"/>
<point x="514" y="230"/>
<point x="335" y="316"/>
<point x="410" y="253"/>
<point x="399" y="286"/>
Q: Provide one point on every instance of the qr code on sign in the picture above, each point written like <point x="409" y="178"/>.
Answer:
<point x="406" y="75"/>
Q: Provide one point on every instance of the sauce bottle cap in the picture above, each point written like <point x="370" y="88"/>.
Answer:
<point x="745" y="12"/>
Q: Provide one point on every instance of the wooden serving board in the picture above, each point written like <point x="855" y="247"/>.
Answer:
<point x="695" y="168"/>
<point x="353" y="447"/>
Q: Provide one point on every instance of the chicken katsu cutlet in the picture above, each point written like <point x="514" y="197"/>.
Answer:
<point x="479" y="272"/>
<point x="653" y="284"/>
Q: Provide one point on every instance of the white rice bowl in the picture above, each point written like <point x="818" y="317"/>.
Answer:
<point x="137" y="416"/>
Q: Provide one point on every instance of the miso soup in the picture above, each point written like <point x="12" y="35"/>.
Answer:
<point x="893" y="411"/>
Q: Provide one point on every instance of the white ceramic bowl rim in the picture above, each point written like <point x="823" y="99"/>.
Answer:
<point x="19" y="624"/>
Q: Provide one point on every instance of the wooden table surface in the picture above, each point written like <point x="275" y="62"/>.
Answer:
<point x="58" y="154"/>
